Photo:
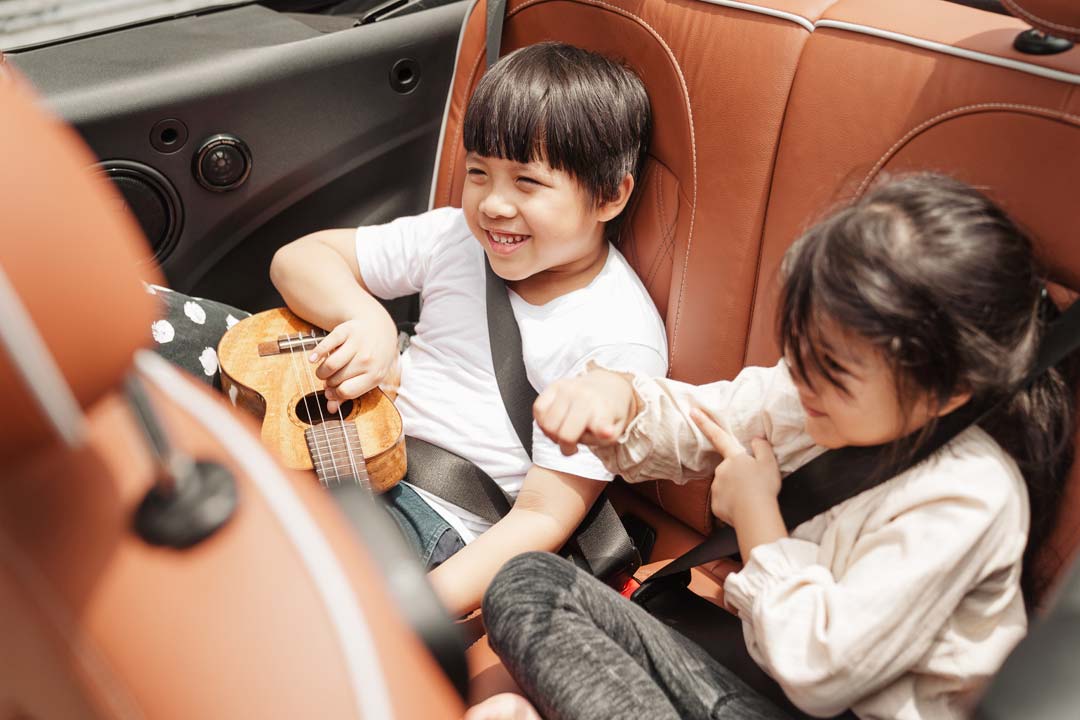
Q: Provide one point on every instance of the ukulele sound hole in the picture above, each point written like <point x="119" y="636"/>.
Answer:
<point x="312" y="409"/>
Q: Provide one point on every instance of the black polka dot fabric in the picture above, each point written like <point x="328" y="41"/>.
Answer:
<point x="189" y="329"/>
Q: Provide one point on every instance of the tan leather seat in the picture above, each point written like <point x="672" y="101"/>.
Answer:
<point x="767" y="114"/>
<point x="930" y="86"/>
<point x="279" y="614"/>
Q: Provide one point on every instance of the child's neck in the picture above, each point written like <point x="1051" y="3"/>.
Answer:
<point x="546" y="285"/>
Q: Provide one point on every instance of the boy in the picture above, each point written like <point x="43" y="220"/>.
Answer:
<point x="555" y="137"/>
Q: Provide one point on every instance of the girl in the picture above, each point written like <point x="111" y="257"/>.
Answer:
<point x="919" y="297"/>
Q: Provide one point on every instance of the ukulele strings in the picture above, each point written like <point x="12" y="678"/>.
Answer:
<point x="299" y="357"/>
<point x="341" y="427"/>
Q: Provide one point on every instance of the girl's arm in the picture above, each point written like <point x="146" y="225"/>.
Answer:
<point x="641" y="428"/>
<point x="548" y="509"/>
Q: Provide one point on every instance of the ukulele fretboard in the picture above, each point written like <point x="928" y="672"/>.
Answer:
<point x="336" y="453"/>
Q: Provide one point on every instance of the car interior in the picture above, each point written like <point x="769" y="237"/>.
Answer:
<point x="766" y="114"/>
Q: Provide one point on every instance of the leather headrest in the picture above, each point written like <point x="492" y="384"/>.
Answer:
<point x="1055" y="17"/>
<point x="71" y="252"/>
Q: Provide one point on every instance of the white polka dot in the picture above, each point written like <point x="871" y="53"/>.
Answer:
<point x="163" y="331"/>
<point x="208" y="358"/>
<point x="195" y="312"/>
<point x="230" y="321"/>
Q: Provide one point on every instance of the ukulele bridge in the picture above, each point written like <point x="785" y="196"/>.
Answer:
<point x="291" y="343"/>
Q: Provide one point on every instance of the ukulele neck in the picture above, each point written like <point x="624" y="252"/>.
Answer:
<point x="336" y="453"/>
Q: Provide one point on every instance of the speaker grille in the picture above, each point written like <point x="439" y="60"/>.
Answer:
<point x="152" y="200"/>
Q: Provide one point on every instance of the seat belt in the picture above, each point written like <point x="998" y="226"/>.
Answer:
<point x="837" y="475"/>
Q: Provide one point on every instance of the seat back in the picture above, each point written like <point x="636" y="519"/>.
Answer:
<point x="280" y="613"/>
<point x="718" y="75"/>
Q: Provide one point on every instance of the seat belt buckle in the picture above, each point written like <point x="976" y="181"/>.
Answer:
<point x="629" y="587"/>
<point x="654" y="587"/>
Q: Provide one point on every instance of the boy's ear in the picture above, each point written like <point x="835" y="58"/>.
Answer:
<point x="609" y="210"/>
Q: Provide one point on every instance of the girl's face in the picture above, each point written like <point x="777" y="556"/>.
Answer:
<point x="867" y="410"/>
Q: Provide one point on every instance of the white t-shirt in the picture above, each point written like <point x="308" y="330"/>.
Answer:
<point x="449" y="395"/>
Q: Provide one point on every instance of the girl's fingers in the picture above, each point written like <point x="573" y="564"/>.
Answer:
<point x="721" y="439"/>
<point x="763" y="452"/>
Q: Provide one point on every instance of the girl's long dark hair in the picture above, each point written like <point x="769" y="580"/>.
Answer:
<point x="946" y="286"/>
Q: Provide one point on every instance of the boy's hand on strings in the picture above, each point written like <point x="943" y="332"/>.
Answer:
<point x="741" y="479"/>
<point x="355" y="358"/>
<point x="593" y="409"/>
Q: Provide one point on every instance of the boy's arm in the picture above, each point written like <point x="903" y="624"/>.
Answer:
<point x="319" y="278"/>
<point x="548" y="509"/>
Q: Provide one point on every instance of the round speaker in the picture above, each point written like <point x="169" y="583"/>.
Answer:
<point x="152" y="200"/>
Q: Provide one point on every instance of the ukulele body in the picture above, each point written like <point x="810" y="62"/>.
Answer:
<point x="282" y="389"/>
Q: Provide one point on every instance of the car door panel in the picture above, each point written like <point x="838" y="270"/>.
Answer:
<point x="332" y="141"/>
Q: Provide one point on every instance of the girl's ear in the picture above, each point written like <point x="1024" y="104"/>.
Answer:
<point x="609" y="210"/>
<point x="952" y="403"/>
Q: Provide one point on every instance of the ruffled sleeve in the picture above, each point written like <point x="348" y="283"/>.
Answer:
<point x="663" y="443"/>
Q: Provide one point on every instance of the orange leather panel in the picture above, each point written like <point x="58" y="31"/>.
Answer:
<point x="950" y="24"/>
<point x="230" y="628"/>
<point x="70" y="256"/>
<point x="1056" y="17"/>
<point x="903" y="107"/>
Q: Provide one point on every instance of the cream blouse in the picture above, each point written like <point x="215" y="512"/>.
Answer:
<point x="899" y="602"/>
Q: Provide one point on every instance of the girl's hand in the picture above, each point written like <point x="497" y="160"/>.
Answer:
<point x="593" y="409"/>
<point x="742" y="480"/>
<point x="355" y="357"/>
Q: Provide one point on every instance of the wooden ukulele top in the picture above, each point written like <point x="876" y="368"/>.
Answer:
<point x="264" y="368"/>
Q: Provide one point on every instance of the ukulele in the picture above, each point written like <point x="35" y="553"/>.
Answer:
<point x="265" y="370"/>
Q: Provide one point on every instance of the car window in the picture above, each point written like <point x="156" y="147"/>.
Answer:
<point x="29" y="23"/>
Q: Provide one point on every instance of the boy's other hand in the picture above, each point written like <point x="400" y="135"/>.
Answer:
<point x="593" y="409"/>
<point x="354" y="358"/>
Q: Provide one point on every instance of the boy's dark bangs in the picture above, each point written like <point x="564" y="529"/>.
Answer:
<point x="503" y="123"/>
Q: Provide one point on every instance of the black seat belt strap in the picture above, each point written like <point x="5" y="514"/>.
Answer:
<point x="837" y="475"/>
<point x="496" y="13"/>
<point x="518" y="394"/>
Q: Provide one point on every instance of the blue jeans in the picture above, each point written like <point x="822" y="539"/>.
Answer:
<point x="431" y="536"/>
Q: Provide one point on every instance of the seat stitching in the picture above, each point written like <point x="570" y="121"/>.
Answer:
<point x="693" y="147"/>
<point x="1015" y="8"/>
<point x="948" y="115"/>
<point x="668" y="233"/>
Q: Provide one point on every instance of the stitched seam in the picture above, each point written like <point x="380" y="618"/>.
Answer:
<point x="949" y="114"/>
<point x="668" y="235"/>
<point x="1028" y="15"/>
<point x="693" y="148"/>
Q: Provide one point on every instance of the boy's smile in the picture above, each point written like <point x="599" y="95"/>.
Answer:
<point x="541" y="231"/>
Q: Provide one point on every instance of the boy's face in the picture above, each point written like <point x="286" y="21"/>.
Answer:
<point x="533" y="221"/>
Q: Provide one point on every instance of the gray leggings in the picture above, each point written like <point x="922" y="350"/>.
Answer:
<point x="580" y="650"/>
